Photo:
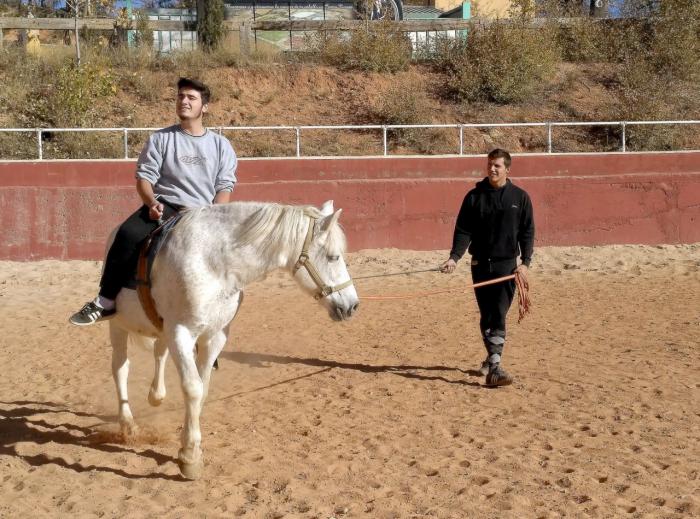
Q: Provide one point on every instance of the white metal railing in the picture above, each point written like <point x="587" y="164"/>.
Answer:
<point x="385" y="128"/>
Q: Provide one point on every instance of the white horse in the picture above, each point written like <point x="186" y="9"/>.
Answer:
<point x="197" y="283"/>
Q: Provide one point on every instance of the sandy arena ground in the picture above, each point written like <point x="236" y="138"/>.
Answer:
<point x="379" y="417"/>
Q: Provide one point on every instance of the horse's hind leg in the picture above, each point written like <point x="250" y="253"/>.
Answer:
<point x="181" y="344"/>
<point x="120" y="372"/>
<point x="156" y="394"/>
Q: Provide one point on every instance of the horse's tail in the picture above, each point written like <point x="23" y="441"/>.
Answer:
<point x="142" y="341"/>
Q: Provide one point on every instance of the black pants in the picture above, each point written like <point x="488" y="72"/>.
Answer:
<point x="494" y="301"/>
<point x="123" y="255"/>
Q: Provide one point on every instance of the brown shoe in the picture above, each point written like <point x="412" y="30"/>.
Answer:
<point x="498" y="376"/>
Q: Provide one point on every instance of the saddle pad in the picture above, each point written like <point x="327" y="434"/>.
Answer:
<point x="151" y="245"/>
<point x="143" y="270"/>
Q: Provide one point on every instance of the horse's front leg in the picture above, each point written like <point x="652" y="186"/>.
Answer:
<point x="181" y="344"/>
<point x="156" y="393"/>
<point x="120" y="373"/>
<point x="208" y="352"/>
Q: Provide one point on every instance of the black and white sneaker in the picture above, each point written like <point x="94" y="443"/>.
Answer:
<point x="90" y="314"/>
<point x="498" y="376"/>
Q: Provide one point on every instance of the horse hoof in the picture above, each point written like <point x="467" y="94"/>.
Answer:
<point x="154" y="399"/>
<point x="191" y="471"/>
<point x="129" y="430"/>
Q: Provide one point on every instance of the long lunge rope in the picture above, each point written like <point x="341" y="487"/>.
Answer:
<point x="522" y="286"/>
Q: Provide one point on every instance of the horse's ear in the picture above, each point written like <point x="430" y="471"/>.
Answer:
<point x="327" y="208"/>
<point x="328" y="221"/>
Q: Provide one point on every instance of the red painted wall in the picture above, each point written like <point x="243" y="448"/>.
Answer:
<point x="65" y="210"/>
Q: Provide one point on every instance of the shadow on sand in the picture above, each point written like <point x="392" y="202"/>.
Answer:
<point x="407" y="371"/>
<point x="20" y="422"/>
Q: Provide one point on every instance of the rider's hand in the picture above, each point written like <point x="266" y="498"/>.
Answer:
<point x="449" y="266"/>
<point x="155" y="211"/>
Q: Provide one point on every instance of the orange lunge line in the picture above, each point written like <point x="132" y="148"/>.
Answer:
<point x="522" y="286"/>
<point x="422" y="294"/>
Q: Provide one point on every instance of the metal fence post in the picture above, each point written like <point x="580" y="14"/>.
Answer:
<point x="624" y="137"/>
<point x="298" y="132"/>
<point x="126" y="143"/>
<point x="39" y="146"/>
<point x="384" y="140"/>
<point x="461" y="139"/>
<point x="549" y="137"/>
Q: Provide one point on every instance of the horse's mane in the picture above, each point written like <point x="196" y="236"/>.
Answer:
<point x="277" y="229"/>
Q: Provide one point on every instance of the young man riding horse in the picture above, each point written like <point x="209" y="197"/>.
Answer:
<point x="182" y="166"/>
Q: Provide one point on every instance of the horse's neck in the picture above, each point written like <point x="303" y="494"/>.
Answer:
<point x="222" y="224"/>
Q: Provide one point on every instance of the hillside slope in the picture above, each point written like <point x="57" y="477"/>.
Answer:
<point x="271" y="94"/>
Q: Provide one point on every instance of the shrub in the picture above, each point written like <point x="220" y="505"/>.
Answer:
<point x="646" y="95"/>
<point x="143" y="33"/>
<point x="399" y="104"/>
<point x="585" y="40"/>
<point x="502" y="62"/>
<point x="376" y="48"/>
<point x="70" y="100"/>
<point x="676" y="40"/>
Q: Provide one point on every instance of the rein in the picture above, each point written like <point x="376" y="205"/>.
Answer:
<point x="304" y="261"/>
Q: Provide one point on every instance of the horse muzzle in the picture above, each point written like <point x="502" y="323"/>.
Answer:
<point x="340" y="313"/>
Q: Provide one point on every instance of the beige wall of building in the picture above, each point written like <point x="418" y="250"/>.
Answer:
<point x="483" y="8"/>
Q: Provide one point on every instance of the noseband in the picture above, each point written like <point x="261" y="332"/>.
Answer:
<point x="304" y="261"/>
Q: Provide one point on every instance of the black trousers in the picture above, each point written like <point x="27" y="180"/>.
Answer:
<point x="494" y="300"/>
<point x="123" y="255"/>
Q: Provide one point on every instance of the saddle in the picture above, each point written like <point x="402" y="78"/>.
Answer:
<point x="147" y="255"/>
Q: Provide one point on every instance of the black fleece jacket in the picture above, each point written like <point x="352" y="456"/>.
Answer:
<point x="495" y="223"/>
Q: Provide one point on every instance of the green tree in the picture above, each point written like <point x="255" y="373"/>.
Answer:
<point x="210" y="23"/>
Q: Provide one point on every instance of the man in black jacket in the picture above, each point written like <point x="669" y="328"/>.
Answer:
<point x="496" y="224"/>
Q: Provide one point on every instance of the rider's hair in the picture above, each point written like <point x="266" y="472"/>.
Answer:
<point x="499" y="153"/>
<point x="200" y="87"/>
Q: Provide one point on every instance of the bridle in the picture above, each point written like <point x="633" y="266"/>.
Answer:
<point x="304" y="261"/>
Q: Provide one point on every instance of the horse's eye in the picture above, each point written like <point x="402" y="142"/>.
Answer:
<point x="333" y="258"/>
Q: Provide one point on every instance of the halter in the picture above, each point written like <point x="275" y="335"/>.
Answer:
<point x="304" y="261"/>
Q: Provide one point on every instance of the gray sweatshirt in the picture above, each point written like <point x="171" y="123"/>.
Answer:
<point x="187" y="170"/>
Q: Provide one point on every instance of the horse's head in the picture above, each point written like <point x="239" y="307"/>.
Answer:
<point x="321" y="268"/>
